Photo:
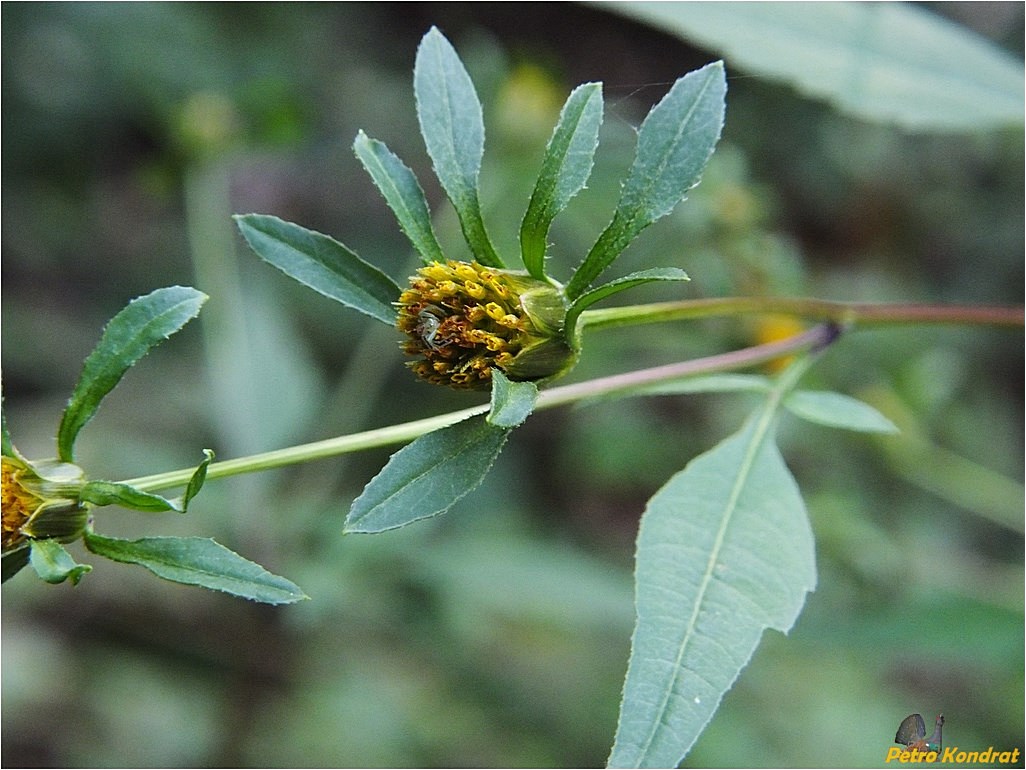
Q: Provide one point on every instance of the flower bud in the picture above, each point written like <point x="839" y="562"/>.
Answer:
<point x="462" y="319"/>
<point x="40" y="500"/>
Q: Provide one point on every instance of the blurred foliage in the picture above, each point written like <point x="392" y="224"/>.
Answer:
<point x="499" y="634"/>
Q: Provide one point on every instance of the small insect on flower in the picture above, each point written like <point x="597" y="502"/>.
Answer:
<point x="461" y="319"/>
<point x="427" y="326"/>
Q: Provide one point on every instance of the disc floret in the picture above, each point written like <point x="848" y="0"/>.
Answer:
<point x="463" y="319"/>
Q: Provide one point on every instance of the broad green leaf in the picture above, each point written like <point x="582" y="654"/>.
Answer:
<point x="322" y="263"/>
<point x="627" y="282"/>
<point x="403" y="194"/>
<point x="836" y="410"/>
<point x="143" y="323"/>
<point x="54" y="564"/>
<point x="888" y="62"/>
<point x="564" y="172"/>
<point x="14" y="562"/>
<point x="512" y="402"/>
<point x="102" y="493"/>
<point x="198" y="561"/>
<point x="428" y="476"/>
<point x="453" y="128"/>
<point x="724" y="551"/>
<point x="674" y="144"/>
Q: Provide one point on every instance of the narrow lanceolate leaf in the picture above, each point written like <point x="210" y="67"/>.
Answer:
<point x="512" y="402"/>
<point x="453" y="128"/>
<point x="403" y="194"/>
<point x="628" y="281"/>
<point x="54" y="564"/>
<point x="198" y="561"/>
<point x="674" y="145"/>
<point x="564" y="172"/>
<point x="428" y="476"/>
<point x="102" y="493"/>
<point x="322" y="263"/>
<point x="836" y="410"/>
<point x="724" y="552"/>
<point x="142" y="324"/>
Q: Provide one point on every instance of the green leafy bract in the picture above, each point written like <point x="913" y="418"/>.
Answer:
<point x="54" y="564"/>
<point x="564" y="172"/>
<point x="674" y="144"/>
<point x="322" y="263"/>
<point x="724" y="551"/>
<point x="453" y="128"/>
<point x="512" y="402"/>
<point x="143" y="323"/>
<point x="403" y="194"/>
<point x="118" y="493"/>
<point x="626" y="282"/>
<point x="198" y="561"/>
<point x="428" y="476"/>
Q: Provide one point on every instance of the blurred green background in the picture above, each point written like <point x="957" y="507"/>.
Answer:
<point x="497" y="635"/>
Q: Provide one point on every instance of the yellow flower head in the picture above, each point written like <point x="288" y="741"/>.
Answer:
<point x="38" y="507"/>
<point x="462" y="319"/>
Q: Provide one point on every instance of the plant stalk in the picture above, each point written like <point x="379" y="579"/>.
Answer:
<point x="817" y="337"/>
<point x="844" y="313"/>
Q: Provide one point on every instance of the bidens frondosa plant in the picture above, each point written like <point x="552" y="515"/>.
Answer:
<point x="49" y="503"/>
<point x="724" y="549"/>
<point x="464" y="319"/>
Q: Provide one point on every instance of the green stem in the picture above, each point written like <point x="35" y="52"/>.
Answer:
<point x="845" y="313"/>
<point x="817" y="337"/>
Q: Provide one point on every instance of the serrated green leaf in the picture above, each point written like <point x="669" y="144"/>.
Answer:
<point x="512" y="402"/>
<point x="427" y="477"/>
<point x="565" y="169"/>
<point x="143" y="323"/>
<point x="54" y="564"/>
<point x="608" y="289"/>
<point x="453" y="129"/>
<point x="403" y="194"/>
<point x="888" y="62"/>
<point x="102" y="493"/>
<point x="198" y="561"/>
<point x="322" y="263"/>
<point x="14" y="562"/>
<point x="836" y="410"/>
<point x="724" y="551"/>
<point x="675" y="143"/>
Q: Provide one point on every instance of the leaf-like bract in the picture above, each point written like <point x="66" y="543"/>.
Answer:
<point x="145" y="322"/>
<point x="512" y="402"/>
<point x="322" y="263"/>
<point x="620" y="284"/>
<point x="428" y="476"/>
<point x="453" y="129"/>
<point x="198" y="561"/>
<point x="674" y="145"/>
<point x="403" y="194"/>
<point x="54" y="564"/>
<point x="724" y="551"/>
<point x="564" y="172"/>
